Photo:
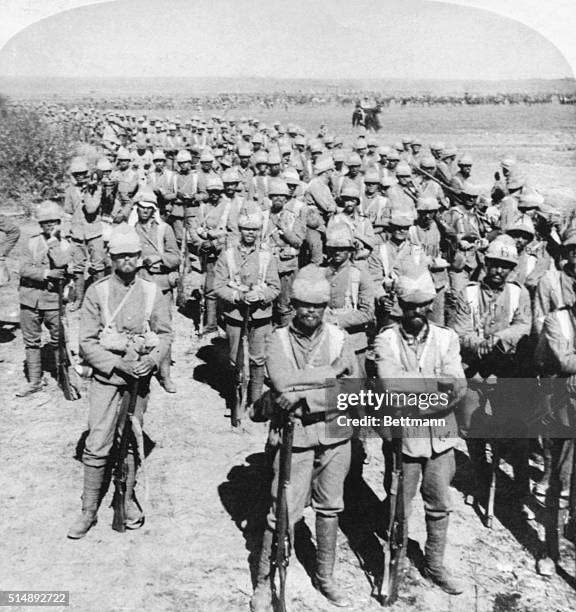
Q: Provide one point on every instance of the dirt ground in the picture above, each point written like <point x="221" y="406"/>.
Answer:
<point x="206" y="482"/>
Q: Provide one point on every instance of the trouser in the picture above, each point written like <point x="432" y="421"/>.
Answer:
<point x="91" y="251"/>
<point x="210" y="296"/>
<point x="258" y="332"/>
<point x="165" y="364"/>
<point x="31" y="320"/>
<point x="318" y="474"/>
<point x="284" y="310"/>
<point x="104" y="409"/>
<point x="436" y="473"/>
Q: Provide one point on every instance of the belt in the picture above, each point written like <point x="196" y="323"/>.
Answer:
<point x="313" y="417"/>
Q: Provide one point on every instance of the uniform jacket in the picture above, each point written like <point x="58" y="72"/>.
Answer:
<point x="505" y="314"/>
<point x="284" y="233"/>
<point x="84" y="208"/>
<point x="413" y="365"/>
<point x="304" y="373"/>
<point x="157" y="239"/>
<point x="38" y="257"/>
<point x="247" y="271"/>
<point x="555" y="290"/>
<point x="350" y="307"/>
<point x="11" y="234"/>
<point x="131" y="319"/>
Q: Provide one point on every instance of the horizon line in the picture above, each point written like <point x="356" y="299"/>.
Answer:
<point x="274" y="78"/>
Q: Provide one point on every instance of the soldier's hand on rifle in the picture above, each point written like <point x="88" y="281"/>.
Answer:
<point x="144" y="367"/>
<point x="287" y="401"/>
<point x="55" y="274"/>
<point x="206" y="245"/>
<point x="251" y="296"/>
<point x="485" y="347"/>
<point x="127" y="366"/>
<point x="387" y="303"/>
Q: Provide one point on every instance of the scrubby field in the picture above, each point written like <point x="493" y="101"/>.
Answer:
<point x="206" y="497"/>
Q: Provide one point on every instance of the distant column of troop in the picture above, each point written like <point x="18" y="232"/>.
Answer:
<point x="378" y="261"/>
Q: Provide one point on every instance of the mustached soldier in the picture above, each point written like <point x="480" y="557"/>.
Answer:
<point x="411" y="356"/>
<point x="124" y="334"/>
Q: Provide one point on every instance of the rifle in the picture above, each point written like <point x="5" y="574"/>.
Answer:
<point x="67" y="377"/>
<point x="242" y="371"/>
<point x="395" y="546"/>
<point x="121" y="467"/>
<point x="202" y="297"/>
<point x="281" y="544"/>
<point x="182" y="269"/>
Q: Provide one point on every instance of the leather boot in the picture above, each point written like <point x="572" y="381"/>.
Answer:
<point x="262" y="597"/>
<point x="257" y="374"/>
<point x="326" y="537"/>
<point x="164" y="374"/>
<point x="34" y="367"/>
<point x="93" y="479"/>
<point x="211" y="317"/>
<point x="434" y="570"/>
<point x="134" y="515"/>
<point x="79" y="288"/>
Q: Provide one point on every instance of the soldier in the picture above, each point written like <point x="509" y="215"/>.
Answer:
<point x="492" y="318"/>
<point x="185" y="206"/>
<point x="419" y="352"/>
<point x="372" y="202"/>
<point x="43" y="263"/>
<point x="162" y="182"/>
<point x="515" y="182"/>
<point x="205" y="172"/>
<point x="426" y="233"/>
<point x="445" y="167"/>
<point x="11" y="234"/>
<point x="353" y="175"/>
<point x="360" y="225"/>
<point x="284" y="231"/>
<point x="306" y="353"/>
<point x="245" y="172"/>
<point x="403" y="196"/>
<point x="208" y="234"/>
<point x="160" y="261"/>
<point x="463" y="175"/>
<point x="430" y="188"/>
<point x="320" y="200"/>
<point x="246" y="276"/>
<point x="556" y="288"/>
<point x="124" y="334"/>
<point x="500" y="188"/>
<point x="127" y="181"/>
<point x="470" y="237"/>
<point x="82" y="202"/>
<point x="393" y="161"/>
<point x="351" y="304"/>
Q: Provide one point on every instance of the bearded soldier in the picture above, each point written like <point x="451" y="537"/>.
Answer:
<point x="124" y="334"/>
<point x="411" y="356"/>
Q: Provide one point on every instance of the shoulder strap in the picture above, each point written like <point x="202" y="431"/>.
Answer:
<point x="354" y="286"/>
<point x="264" y="257"/>
<point x="563" y="318"/>
<point x="160" y="237"/>
<point x="385" y="259"/>
<point x="232" y="267"/>
<point x="514" y="292"/>
<point x="149" y="298"/>
<point x="335" y="341"/>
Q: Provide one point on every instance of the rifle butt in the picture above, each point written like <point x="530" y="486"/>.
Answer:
<point x="119" y="519"/>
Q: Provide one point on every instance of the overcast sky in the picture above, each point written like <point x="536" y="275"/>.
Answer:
<point x="281" y="38"/>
